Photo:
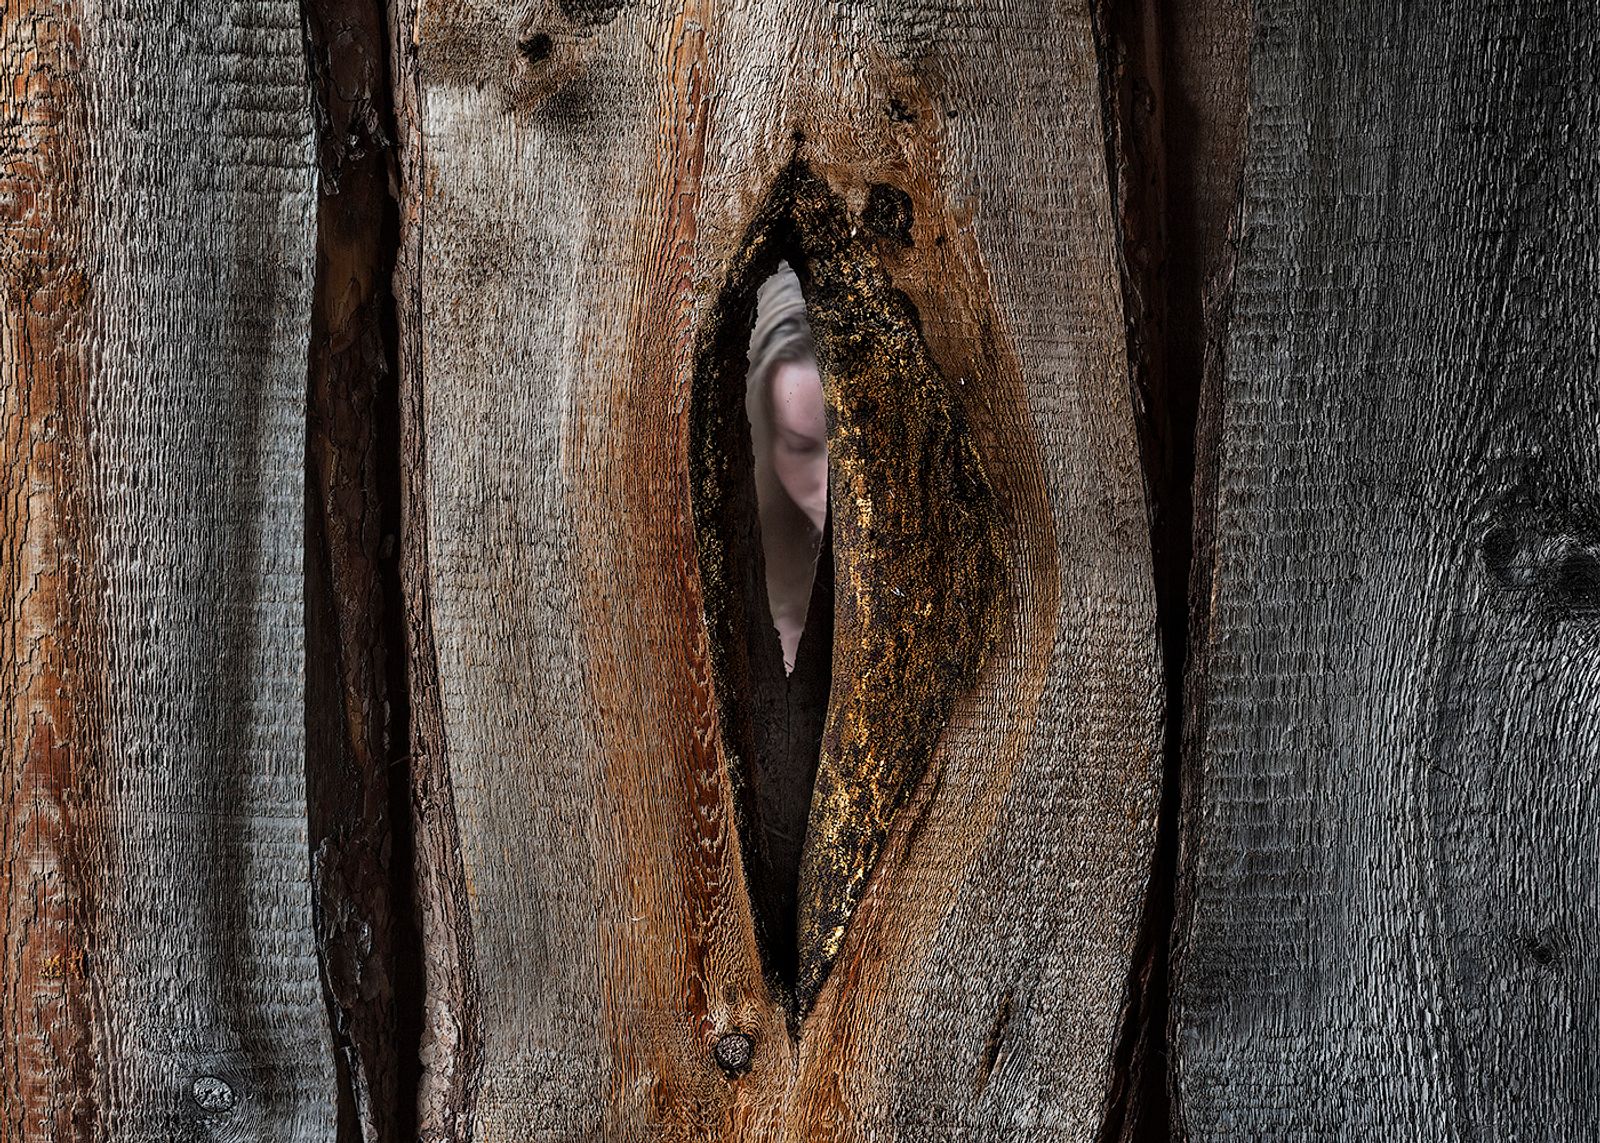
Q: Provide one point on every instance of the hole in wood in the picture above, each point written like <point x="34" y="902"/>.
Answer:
<point x="764" y="540"/>
<point x="787" y="415"/>
<point x="909" y="584"/>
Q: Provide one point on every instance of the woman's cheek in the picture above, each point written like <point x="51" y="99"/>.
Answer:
<point x="804" y="476"/>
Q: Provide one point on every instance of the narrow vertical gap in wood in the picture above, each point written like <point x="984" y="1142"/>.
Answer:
<point x="441" y="1031"/>
<point x="1205" y="62"/>
<point x="357" y="714"/>
<point x="785" y="708"/>
<point x="1132" y="108"/>
<point x="1170" y="92"/>
<point x="751" y="688"/>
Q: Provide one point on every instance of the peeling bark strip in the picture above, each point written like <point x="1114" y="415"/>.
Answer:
<point x="1390" y="905"/>
<point x="49" y="819"/>
<point x="157" y="973"/>
<point x="579" y="187"/>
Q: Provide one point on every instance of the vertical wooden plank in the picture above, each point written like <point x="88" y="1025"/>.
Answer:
<point x="46" y="1061"/>
<point x="159" y="977"/>
<point x="583" y="179"/>
<point x="1390" y="906"/>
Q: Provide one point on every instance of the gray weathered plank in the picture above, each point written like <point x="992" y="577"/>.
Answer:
<point x="581" y="179"/>
<point x="1391" y="904"/>
<point x="158" y="979"/>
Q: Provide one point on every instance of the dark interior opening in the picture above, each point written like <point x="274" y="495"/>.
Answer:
<point x="790" y="627"/>
<point x="759" y="450"/>
<point x="907" y="595"/>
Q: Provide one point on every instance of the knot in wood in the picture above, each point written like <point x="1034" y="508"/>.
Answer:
<point x="536" y="48"/>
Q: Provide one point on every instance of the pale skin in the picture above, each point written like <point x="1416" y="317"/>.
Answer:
<point x="800" y="437"/>
<point x="800" y="461"/>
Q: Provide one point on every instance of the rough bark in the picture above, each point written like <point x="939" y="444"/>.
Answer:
<point x="1390" y="905"/>
<point x="592" y="192"/>
<point x="158" y="978"/>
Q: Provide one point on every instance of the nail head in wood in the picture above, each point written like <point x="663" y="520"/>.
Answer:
<point x="212" y="1095"/>
<point x="734" y="1052"/>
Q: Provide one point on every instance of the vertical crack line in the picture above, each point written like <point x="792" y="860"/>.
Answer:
<point x="994" y="1043"/>
<point x="1208" y="185"/>
<point x="1128" y="45"/>
<point x="1173" y="99"/>
<point x="446" y="1031"/>
<point x="357" y="710"/>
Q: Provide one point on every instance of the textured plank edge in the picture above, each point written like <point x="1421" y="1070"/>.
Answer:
<point x="449" y="1038"/>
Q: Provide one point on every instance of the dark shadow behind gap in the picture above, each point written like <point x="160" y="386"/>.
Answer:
<point x="788" y="708"/>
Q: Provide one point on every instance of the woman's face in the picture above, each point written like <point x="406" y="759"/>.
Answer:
<point x="800" y="436"/>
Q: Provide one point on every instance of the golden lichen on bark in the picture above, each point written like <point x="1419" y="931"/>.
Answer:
<point x="917" y="543"/>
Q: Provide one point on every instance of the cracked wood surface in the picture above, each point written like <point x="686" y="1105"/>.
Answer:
<point x="579" y="179"/>
<point x="1390" y="912"/>
<point x="158" y="979"/>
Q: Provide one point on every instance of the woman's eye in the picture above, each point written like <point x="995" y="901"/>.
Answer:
<point x="795" y="442"/>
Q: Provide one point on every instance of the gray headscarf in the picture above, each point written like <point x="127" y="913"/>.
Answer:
<point x="781" y="332"/>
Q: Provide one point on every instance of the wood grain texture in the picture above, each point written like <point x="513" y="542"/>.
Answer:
<point x="158" y="979"/>
<point x="580" y="180"/>
<point x="1390" y="915"/>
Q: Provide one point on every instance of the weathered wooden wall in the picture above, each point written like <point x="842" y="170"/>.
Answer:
<point x="1022" y="228"/>
<point x="1390" y="913"/>
<point x="158" y="979"/>
<point x="581" y="179"/>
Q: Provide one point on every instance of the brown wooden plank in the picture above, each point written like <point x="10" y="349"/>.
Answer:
<point x="1390" y="905"/>
<point x="584" y="179"/>
<point x="158" y="978"/>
